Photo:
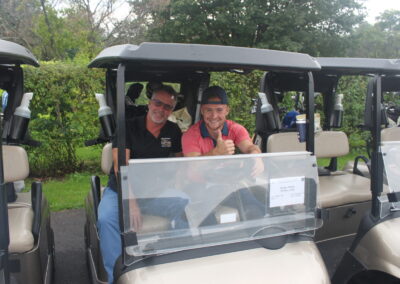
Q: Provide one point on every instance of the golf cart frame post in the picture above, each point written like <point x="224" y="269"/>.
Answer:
<point x="5" y="236"/>
<point x="376" y="154"/>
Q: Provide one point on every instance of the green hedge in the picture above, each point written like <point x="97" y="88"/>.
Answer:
<point x="240" y="89"/>
<point x="64" y="110"/>
<point x="64" y="114"/>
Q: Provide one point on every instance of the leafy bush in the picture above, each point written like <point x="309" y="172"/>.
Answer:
<point x="240" y="89"/>
<point x="354" y="89"/>
<point x="64" y="110"/>
<point x="64" y="114"/>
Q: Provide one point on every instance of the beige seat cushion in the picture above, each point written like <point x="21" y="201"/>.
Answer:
<point x="343" y="189"/>
<point x="20" y="223"/>
<point x="15" y="161"/>
<point x="154" y="224"/>
<point x="328" y="144"/>
<point x="106" y="158"/>
<point x="390" y="134"/>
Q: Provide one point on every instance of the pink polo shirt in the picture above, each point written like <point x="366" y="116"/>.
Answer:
<point x="197" y="138"/>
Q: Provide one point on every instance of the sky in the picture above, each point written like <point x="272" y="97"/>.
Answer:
<point x="373" y="8"/>
<point x="376" y="7"/>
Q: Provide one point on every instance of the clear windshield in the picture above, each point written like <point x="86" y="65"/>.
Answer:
<point x="182" y="203"/>
<point x="391" y="160"/>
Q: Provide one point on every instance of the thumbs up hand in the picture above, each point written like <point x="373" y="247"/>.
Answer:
<point x="224" y="147"/>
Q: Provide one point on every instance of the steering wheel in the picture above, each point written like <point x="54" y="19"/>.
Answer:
<point x="229" y="170"/>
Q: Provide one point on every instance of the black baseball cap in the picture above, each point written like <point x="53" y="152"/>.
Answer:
<point x="213" y="93"/>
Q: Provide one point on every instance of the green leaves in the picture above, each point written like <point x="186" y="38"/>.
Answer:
<point x="64" y="114"/>
<point x="317" y="27"/>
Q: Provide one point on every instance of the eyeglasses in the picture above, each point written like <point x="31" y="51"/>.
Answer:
<point x="165" y="106"/>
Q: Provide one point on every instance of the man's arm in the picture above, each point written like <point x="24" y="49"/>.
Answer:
<point x="223" y="147"/>
<point x="115" y="158"/>
<point x="247" y="147"/>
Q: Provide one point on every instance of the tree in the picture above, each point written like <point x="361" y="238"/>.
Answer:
<point x="16" y="18"/>
<point x="379" y="40"/>
<point x="317" y="27"/>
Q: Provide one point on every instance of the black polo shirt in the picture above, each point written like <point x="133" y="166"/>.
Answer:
<point x="144" y="145"/>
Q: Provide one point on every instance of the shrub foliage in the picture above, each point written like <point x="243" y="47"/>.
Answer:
<point x="64" y="110"/>
<point x="64" y="114"/>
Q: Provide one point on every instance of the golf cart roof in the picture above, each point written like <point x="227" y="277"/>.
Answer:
<point x="199" y="57"/>
<point x="12" y="53"/>
<point x="358" y="66"/>
<point x="391" y="84"/>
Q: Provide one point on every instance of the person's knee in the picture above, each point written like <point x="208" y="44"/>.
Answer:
<point x="107" y="216"/>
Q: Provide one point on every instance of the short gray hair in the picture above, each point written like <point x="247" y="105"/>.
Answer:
<point x="166" y="89"/>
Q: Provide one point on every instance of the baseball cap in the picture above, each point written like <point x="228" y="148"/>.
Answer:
<point x="212" y="93"/>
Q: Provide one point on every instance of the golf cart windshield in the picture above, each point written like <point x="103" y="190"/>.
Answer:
<point x="391" y="160"/>
<point x="187" y="203"/>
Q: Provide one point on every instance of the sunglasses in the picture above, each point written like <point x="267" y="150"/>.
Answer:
<point x="159" y="103"/>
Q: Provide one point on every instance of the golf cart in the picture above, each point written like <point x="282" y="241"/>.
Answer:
<point x="344" y="196"/>
<point x="26" y="238"/>
<point x="374" y="254"/>
<point x="276" y="246"/>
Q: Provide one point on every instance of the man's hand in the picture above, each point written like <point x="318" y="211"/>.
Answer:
<point x="136" y="216"/>
<point x="258" y="167"/>
<point x="224" y="147"/>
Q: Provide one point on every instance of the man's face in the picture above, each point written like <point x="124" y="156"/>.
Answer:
<point x="160" y="107"/>
<point x="214" y="115"/>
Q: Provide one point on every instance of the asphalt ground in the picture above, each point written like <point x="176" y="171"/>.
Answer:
<point x="70" y="262"/>
<point x="71" y="267"/>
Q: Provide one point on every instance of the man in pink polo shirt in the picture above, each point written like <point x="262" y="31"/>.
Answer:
<point x="214" y="134"/>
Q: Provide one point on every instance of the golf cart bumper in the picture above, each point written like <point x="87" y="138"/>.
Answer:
<point x="297" y="262"/>
<point x="379" y="249"/>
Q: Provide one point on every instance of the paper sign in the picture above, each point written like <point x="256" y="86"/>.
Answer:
<point x="286" y="191"/>
<point x="228" y="218"/>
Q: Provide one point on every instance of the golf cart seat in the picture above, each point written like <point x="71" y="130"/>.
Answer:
<point x="390" y="134"/>
<point x="337" y="188"/>
<point x="150" y="223"/>
<point x="20" y="212"/>
<point x="156" y="223"/>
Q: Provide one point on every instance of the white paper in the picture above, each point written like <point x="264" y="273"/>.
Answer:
<point x="228" y="218"/>
<point x="286" y="191"/>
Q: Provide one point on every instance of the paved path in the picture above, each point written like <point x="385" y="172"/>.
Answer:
<point x="71" y="265"/>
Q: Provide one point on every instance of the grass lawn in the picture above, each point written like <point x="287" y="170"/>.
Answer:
<point x="342" y="161"/>
<point x="69" y="192"/>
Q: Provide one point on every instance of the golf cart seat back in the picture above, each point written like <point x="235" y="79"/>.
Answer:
<point x="387" y="134"/>
<point x="339" y="188"/>
<point x="154" y="223"/>
<point x="20" y="212"/>
<point x="106" y="158"/>
<point x="324" y="140"/>
<point x="16" y="165"/>
<point x="390" y="134"/>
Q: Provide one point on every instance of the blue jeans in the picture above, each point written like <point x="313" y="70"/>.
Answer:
<point x="108" y="222"/>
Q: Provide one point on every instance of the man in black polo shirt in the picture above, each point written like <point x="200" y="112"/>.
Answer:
<point x="150" y="136"/>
